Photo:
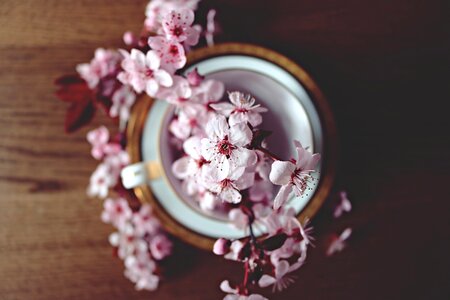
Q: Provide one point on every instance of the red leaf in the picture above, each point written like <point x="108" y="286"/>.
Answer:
<point x="79" y="114"/>
<point x="74" y="89"/>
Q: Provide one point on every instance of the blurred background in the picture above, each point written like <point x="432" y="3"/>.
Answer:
<point x="384" y="66"/>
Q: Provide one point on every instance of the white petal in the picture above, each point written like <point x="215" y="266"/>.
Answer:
<point x="230" y="195"/>
<point x="245" y="181"/>
<point x="281" y="269"/>
<point x="254" y="118"/>
<point x="281" y="172"/>
<point x="163" y="78"/>
<point x="180" y="167"/>
<point x="153" y="60"/>
<point x="225" y="287"/>
<point x="193" y="147"/>
<point x="242" y="157"/>
<point x="208" y="149"/>
<point x="240" y="135"/>
<point x="266" y="281"/>
<point x="282" y="196"/>
<point x="223" y="108"/>
<point x="217" y="128"/>
<point x="151" y="88"/>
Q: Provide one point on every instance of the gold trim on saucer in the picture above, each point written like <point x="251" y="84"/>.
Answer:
<point x="140" y="112"/>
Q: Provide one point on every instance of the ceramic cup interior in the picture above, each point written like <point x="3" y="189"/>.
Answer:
<point x="291" y="116"/>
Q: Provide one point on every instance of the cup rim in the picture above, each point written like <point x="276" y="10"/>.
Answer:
<point x="140" y="112"/>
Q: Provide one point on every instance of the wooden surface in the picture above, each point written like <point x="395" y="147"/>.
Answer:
<point x="384" y="67"/>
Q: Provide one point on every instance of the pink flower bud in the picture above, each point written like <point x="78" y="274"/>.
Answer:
<point x="128" y="38"/>
<point x="221" y="246"/>
<point x="194" y="78"/>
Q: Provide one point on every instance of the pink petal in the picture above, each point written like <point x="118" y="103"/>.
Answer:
<point x="281" y="172"/>
<point x="163" y="78"/>
<point x="230" y="195"/>
<point x="245" y="181"/>
<point x="266" y="281"/>
<point x="223" y="108"/>
<point x="151" y="88"/>
<point x="282" y="196"/>
<point x="240" y="135"/>
<point x="180" y="167"/>
<point x="152" y="60"/>
<point x="225" y="287"/>
<point x="193" y="147"/>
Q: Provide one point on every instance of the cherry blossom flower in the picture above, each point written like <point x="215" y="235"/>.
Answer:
<point x="122" y="100"/>
<point x="116" y="212"/>
<point x="338" y="243"/>
<point x="210" y="27"/>
<point x="224" y="146"/>
<point x="242" y="109"/>
<point x="104" y="63"/>
<point x="343" y="206"/>
<point x="157" y="9"/>
<point x="280" y="281"/>
<point x="115" y="162"/>
<point x="100" y="182"/>
<point x="177" y="25"/>
<point x="191" y="164"/>
<point x="126" y="242"/>
<point x="228" y="188"/>
<point x="233" y="293"/>
<point x="144" y="221"/>
<point x="207" y="200"/>
<point x="171" y="53"/>
<point x="160" y="246"/>
<point x="194" y="78"/>
<point x="142" y="72"/>
<point x="293" y="175"/>
<point x="139" y="269"/>
<point x="99" y="138"/>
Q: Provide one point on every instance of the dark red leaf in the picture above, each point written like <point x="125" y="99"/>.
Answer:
<point x="274" y="242"/>
<point x="79" y="114"/>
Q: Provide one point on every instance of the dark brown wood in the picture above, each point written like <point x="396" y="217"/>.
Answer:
<point x="384" y="68"/>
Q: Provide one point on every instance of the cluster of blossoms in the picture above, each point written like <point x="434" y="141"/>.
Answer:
<point x="224" y="162"/>
<point x="138" y="241"/>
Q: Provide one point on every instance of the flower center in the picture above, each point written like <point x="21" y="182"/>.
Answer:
<point x="177" y="31"/>
<point x="149" y="73"/>
<point x="173" y="49"/>
<point x="225" y="147"/>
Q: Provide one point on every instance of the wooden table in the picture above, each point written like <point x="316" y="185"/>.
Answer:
<point x="384" y="67"/>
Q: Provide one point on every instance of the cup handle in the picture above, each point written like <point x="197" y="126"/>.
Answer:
<point x="137" y="174"/>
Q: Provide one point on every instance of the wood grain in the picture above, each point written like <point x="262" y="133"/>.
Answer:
<point x="384" y="67"/>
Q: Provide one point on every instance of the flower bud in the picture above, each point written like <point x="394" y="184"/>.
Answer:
<point x="221" y="246"/>
<point x="194" y="78"/>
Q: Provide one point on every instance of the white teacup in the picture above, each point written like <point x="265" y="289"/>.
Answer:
<point x="276" y="83"/>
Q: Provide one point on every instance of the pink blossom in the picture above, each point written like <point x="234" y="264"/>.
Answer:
<point x="338" y="243"/>
<point x="126" y="242"/>
<point x="122" y="100"/>
<point x="100" y="182"/>
<point x="116" y="212"/>
<point x="115" y="163"/>
<point x="207" y="200"/>
<point x="139" y="270"/>
<point x="210" y="27"/>
<point x="157" y="9"/>
<point x="224" y="146"/>
<point x="177" y="25"/>
<point x="129" y="39"/>
<point x="261" y="190"/>
<point x="344" y="205"/>
<point x="193" y="163"/>
<point x="221" y="246"/>
<point x="280" y="281"/>
<point x="160" y="246"/>
<point x="242" y="109"/>
<point x="233" y="293"/>
<point x="99" y="138"/>
<point x="171" y="53"/>
<point x="144" y="221"/>
<point x="194" y="78"/>
<point x="228" y="189"/>
<point x="293" y="175"/>
<point x="142" y="72"/>
<point x="104" y="63"/>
